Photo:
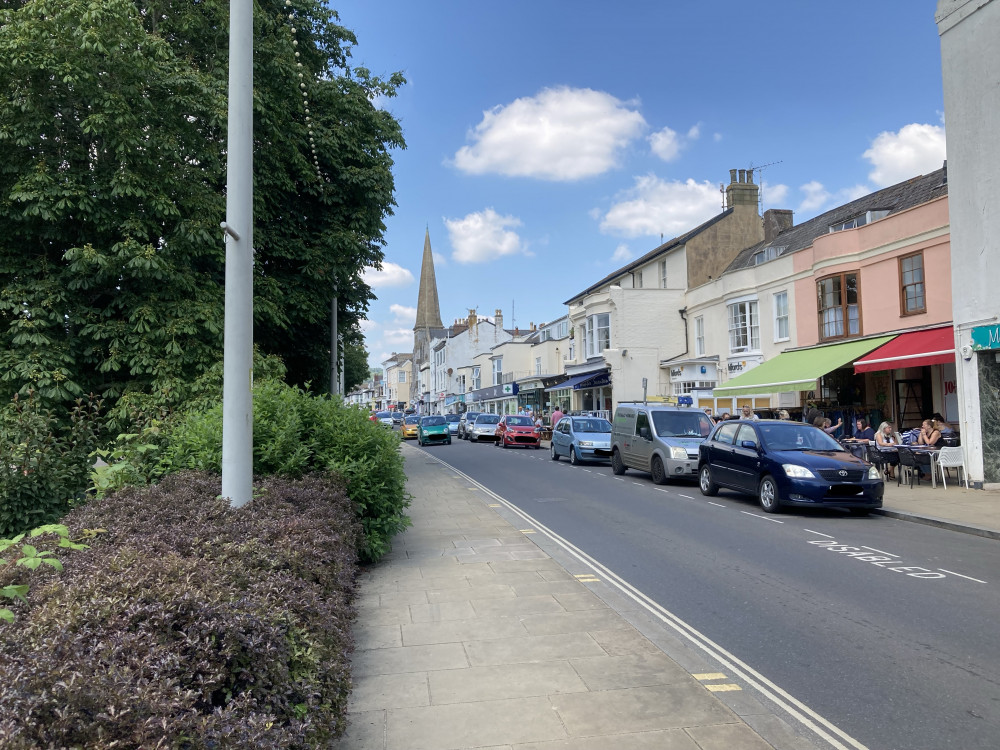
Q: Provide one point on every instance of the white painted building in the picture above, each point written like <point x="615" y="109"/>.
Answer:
<point x="398" y="370"/>
<point x="452" y="351"/>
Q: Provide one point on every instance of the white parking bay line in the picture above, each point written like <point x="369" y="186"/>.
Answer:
<point x="687" y="496"/>
<point x="952" y="572"/>
<point x="717" y="505"/>
<point x="660" y="489"/>
<point x="762" y="518"/>
<point x="638" y="484"/>
<point x="816" y="533"/>
<point x="588" y="471"/>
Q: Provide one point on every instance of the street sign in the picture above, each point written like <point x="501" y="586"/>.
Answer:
<point x="985" y="337"/>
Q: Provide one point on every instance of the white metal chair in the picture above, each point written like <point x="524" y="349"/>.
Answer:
<point x="952" y="458"/>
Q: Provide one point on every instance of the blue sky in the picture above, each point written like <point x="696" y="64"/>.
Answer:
<point x="550" y="142"/>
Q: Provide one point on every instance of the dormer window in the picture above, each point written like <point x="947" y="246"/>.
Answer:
<point x="768" y="253"/>
<point x="859" y="221"/>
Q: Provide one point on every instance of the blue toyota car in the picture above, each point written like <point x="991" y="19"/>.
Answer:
<point x="787" y="463"/>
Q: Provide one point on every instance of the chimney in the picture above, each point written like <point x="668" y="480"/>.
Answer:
<point x="532" y="325"/>
<point x="776" y="221"/>
<point x="741" y="191"/>
<point x="472" y="318"/>
<point x="498" y="315"/>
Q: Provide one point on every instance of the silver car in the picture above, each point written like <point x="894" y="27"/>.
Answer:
<point x="581" y="439"/>
<point x="484" y="428"/>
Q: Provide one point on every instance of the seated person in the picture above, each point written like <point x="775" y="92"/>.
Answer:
<point x="886" y="443"/>
<point x="942" y="425"/>
<point x="929" y="434"/>
<point x="864" y="434"/>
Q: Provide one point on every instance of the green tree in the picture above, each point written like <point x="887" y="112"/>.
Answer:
<point x="113" y="125"/>
<point x="355" y="359"/>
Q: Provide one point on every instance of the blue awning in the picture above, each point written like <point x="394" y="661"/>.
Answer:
<point x="601" y="377"/>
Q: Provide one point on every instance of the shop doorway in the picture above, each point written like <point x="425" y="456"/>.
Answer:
<point x="913" y="402"/>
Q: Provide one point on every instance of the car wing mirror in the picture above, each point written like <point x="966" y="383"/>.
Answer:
<point x="748" y="444"/>
<point x="644" y="433"/>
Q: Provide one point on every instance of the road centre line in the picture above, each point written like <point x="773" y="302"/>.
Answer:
<point x="762" y="518"/>
<point x="814" y="722"/>
<point x="952" y="572"/>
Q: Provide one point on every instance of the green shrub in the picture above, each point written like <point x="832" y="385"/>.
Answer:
<point x="295" y="433"/>
<point x="46" y="462"/>
<point x="188" y="624"/>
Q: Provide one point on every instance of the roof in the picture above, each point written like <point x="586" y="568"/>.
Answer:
<point x="659" y="250"/>
<point x="896" y="198"/>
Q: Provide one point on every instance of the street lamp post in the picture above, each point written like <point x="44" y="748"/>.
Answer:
<point x="237" y="404"/>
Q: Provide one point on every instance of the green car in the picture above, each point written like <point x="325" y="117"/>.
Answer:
<point x="433" y="429"/>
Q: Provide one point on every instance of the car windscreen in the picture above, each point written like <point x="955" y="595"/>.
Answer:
<point x="432" y="421"/>
<point x="383" y="414"/>
<point x="681" y="423"/>
<point x="791" y="436"/>
<point x="487" y="419"/>
<point x="470" y="416"/>
<point x="411" y="420"/>
<point x="452" y="417"/>
<point x="520" y="421"/>
<point x="591" y="425"/>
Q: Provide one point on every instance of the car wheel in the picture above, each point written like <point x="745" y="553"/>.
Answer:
<point x="552" y="452"/>
<point x="574" y="457"/>
<point x="617" y="465"/>
<point x="449" y="442"/>
<point x="659" y="475"/>
<point x="767" y="493"/>
<point x="504" y="443"/>
<point x="705" y="483"/>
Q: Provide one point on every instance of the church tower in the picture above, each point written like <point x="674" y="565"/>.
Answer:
<point x="428" y="311"/>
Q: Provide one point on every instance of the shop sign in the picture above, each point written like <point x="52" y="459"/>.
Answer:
<point x="985" y="337"/>
<point x="738" y="366"/>
<point x="510" y="389"/>
<point x="595" y="382"/>
<point x="531" y="385"/>
<point x="676" y="372"/>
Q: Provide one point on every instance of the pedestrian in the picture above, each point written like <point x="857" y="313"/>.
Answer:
<point x="724" y="416"/>
<point x="748" y="414"/>
<point x="783" y="415"/>
<point x="557" y="414"/>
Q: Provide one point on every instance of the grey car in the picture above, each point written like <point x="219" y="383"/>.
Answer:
<point x="581" y="439"/>
<point x="465" y="423"/>
<point x="484" y="428"/>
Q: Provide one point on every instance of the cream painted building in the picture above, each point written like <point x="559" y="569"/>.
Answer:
<point x="398" y="370"/>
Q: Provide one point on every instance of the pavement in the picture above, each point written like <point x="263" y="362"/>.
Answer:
<point x="477" y="633"/>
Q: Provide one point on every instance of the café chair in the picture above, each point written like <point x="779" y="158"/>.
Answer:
<point x="876" y="458"/>
<point x="952" y="458"/>
<point x="908" y="466"/>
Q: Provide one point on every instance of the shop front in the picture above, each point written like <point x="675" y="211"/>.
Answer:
<point x="534" y="395"/>
<point x="694" y="377"/>
<point x="495" y="399"/>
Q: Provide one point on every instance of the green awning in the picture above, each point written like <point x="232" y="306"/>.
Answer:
<point x="798" y="370"/>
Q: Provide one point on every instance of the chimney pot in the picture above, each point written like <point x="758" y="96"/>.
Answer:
<point x="732" y="175"/>
<point x="743" y="175"/>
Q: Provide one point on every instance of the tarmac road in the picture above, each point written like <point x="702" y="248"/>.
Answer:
<point x="884" y="628"/>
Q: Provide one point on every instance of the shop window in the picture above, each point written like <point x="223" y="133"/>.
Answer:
<point x="911" y="279"/>
<point x="839" y="305"/>
<point x="744" y="327"/>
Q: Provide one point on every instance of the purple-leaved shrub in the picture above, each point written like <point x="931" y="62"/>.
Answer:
<point x="188" y="624"/>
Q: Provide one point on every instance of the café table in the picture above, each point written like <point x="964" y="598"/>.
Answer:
<point x="933" y="453"/>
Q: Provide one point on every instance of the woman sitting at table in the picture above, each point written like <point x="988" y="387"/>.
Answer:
<point x="942" y="425"/>
<point x="929" y="434"/>
<point x="864" y="434"/>
<point x="886" y="443"/>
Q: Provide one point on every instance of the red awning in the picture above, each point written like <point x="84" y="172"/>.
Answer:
<point x="935" y="346"/>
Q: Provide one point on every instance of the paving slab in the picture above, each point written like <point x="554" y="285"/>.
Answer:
<point x="409" y="659"/>
<point x="667" y="739"/>
<point x="504" y="681"/>
<point x="532" y="648"/>
<point x="376" y="692"/>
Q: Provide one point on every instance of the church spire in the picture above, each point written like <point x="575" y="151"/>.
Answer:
<point x="428" y="309"/>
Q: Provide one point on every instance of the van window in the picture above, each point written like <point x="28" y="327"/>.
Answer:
<point x="686" y="423"/>
<point x="641" y="420"/>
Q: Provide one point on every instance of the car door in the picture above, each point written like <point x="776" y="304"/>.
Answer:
<point x="641" y="444"/>
<point x="745" y="464"/>
<point x="561" y="437"/>
<point x="720" y="453"/>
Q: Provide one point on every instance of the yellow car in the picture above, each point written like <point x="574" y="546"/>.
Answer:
<point x="410" y="424"/>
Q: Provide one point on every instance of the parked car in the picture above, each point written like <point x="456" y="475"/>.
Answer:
<point x="397" y="417"/>
<point x="433" y="429"/>
<point x="517" y="429"/>
<point x="465" y="423"/>
<point x="484" y="428"/>
<point x="787" y="463"/>
<point x="581" y="439"/>
<point x="385" y="417"/>
<point x="452" y="420"/>
<point x="410" y="424"/>
<point x="658" y="438"/>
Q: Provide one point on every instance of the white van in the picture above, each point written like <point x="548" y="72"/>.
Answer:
<point x="658" y="438"/>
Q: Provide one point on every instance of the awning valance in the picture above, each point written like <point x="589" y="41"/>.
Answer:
<point x="601" y="377"/>
<point x="934" y="346"/>
<point x="798" y="370"/>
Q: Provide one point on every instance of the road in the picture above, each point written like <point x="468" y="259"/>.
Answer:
<point x="886" y="629"/>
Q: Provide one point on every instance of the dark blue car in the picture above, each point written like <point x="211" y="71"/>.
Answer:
<point x="787" y="463"/>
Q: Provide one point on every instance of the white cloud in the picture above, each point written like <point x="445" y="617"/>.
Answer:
<point x="816" y="196"/>
<point x="389" y="275"/>
<point x="403" y="314"/>
<point x="439" y="259"/>
<point x="916" y="149"/>
<point x="665" y="144"/>
<point x="774" y="195"/>
<point x="854" y="192"/>
<point x="398" y="338"/>
<point x="560" y="134"/>
<point x="694" y="132"/>
<point x="655" y="206"/>
<point x="483" y="236"/>
<point x="716" y="137"/>
<point x="367" y="325"/>
<point x="621" y="254"/>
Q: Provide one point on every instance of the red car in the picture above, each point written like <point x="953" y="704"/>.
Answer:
<point x="516" y="429"/>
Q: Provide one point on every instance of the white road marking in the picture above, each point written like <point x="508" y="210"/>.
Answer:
<point x="687" y="496"/>
<point x="660" y="489"/>
<point x="720" y="505"/>
<point x="873" y="549"/>
<point x="588" y="471"/>
<point x="762" y="518"/>
<point x="638" y="484"/>
<point x="817" y="533"/>
<point x="952" y="572"/>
